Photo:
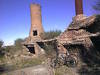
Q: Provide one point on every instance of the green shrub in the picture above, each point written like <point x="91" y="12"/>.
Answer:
<point x="16" y="47"/>
<point x="50" y="51"/>
<point x="2" y="50"/>
<point x="51" y="34"/>
<point x="18" y="43"/>
<point x="31" y="62"/>
<point x="1" y="43"/>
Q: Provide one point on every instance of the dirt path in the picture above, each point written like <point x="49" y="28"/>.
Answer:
<point x="37" y="70"/>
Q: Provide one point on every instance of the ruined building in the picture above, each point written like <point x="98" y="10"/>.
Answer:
<point x="36" y="30"/>
<point x="80" y="38"/>
<point x="77" y="42"/>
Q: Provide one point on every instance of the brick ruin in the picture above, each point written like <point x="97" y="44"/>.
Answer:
<point x="76" y="43"/>
<point x="79" y="36"/>
<point x="36" y="30"/>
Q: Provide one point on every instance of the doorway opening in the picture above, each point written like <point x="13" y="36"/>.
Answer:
<point x="31" y="50"/>
<point x="35" y="33"/>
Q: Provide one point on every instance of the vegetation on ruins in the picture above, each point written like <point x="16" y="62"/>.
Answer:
<point x="17" y="62"/>
<point x="51" y="34"/>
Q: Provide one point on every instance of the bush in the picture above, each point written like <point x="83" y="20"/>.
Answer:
<point x="15" y="48"/>
<point x="1" y="44"/>
<point x="2" y="50"/>
<point x="18" y="44"/>
<point x="51" y="34"/>
<point x="50" y="50"/>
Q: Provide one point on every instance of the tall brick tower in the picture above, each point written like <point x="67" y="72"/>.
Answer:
<point x="36" y="23"/>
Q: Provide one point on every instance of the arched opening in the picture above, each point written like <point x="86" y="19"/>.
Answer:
<point x="31" y="50"/>
<point x="35" y="33"/>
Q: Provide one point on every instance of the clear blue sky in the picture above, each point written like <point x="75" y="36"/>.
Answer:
<point x="56" y="14"/>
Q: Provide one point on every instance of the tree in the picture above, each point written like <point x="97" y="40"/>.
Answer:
<point x="18" y="43"/>
<point x="1" y="43"/>
<point x="2" y="51"/>
<point x="97" y="5"/>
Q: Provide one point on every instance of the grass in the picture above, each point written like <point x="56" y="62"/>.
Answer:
<point x="63" y="70"/>
<point x="60" y="71"/>
<point x="17" y="64"/>
<point x="32" y="62"/>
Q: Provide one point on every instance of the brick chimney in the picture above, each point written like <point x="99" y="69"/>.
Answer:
<point x="79" y="11"/>
<point x="79" y="7"/>
<point x="36" y="22"/>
